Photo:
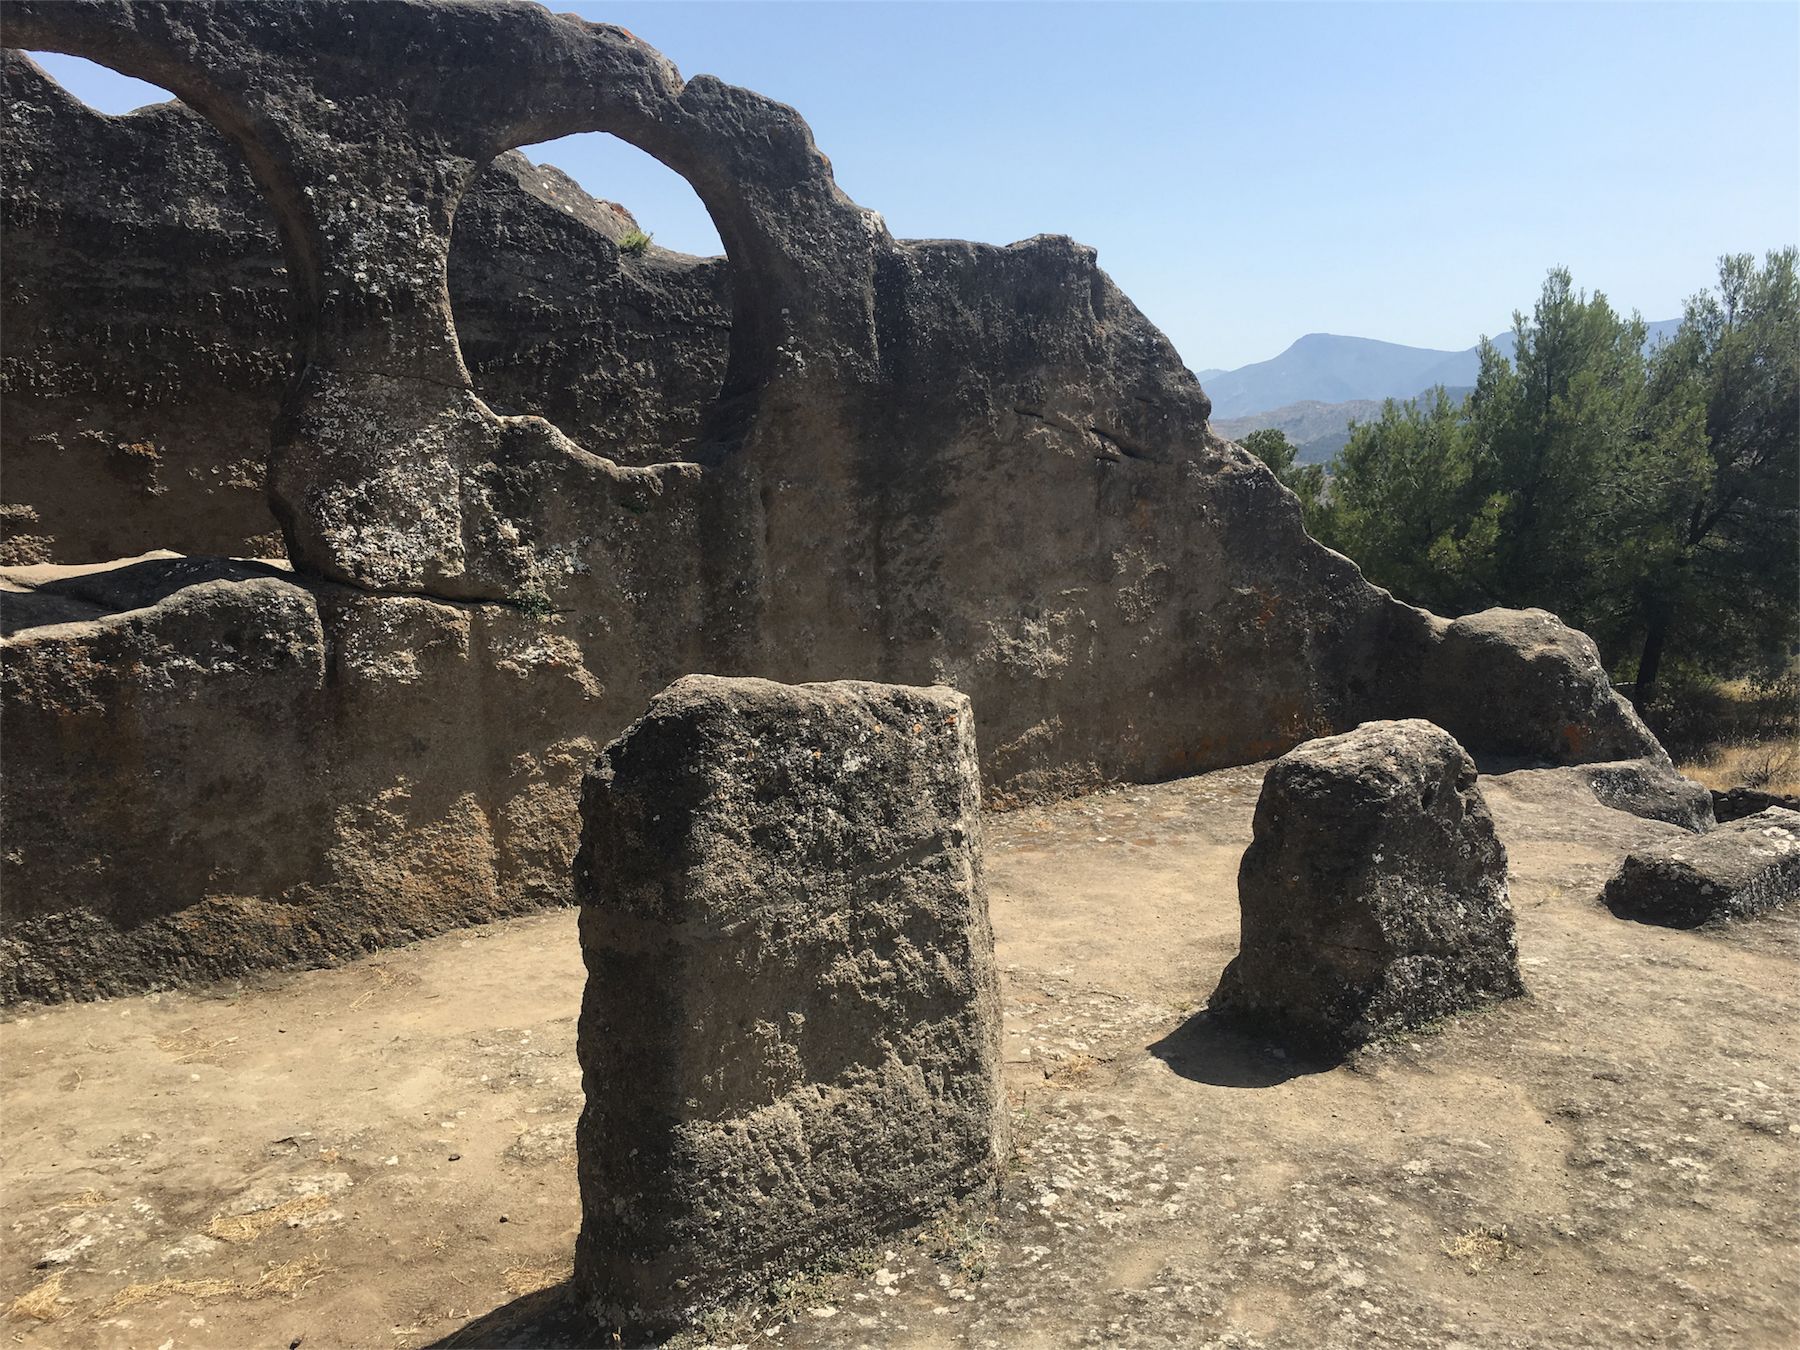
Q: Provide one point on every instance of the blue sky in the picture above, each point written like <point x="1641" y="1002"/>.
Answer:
<point x="1251" y="173"/>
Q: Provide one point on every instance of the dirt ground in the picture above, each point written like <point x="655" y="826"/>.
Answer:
<point x="379" y="1155"/>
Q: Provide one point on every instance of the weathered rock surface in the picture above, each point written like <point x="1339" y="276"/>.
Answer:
<point x="790" y="1035"/>
<point x="1520" y="684"/>
<point x="213" y="767"/>
<point x="1373" y="895"/>
<point x="928" y="462"/>
<point x="1734" y="872"/>
<point x="148" y="340"/>
<point x="625" y="351"/>
<point x="147" y="333"/>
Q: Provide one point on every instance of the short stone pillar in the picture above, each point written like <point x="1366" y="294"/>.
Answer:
<point x="1373" y="894"/>
<point x="790" y="1037"/>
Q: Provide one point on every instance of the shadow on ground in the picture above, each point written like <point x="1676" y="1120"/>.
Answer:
<point x="547" y="1320"/>
<point x="1204" y="1049"/>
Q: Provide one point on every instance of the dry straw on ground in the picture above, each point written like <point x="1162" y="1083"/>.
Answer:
<point x="522" y="1280"/>
<point x="1481" y="1247"/>
<point x="288" y="1278"/>
<point x="1076" y="1068"/>
<point x="249" y="1227"/>
<point x="42" y="1304"/>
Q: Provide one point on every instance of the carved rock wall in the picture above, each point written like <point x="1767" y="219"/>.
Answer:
<point x="929" y="462"/>
<point x="146" y="304"/>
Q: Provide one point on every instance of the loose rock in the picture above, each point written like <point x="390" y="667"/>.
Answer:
<point x="1652" y="789"/>
<point x="1520" y="684"/>
<point x="1738" y="802"/>
<point x="1736" y="871"/>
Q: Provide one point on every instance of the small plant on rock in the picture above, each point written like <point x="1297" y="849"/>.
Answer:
<point x="534" y="604"/>
<point x="635" y="242"/>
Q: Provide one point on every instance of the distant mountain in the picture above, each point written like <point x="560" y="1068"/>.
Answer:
<point x="1326" y="368"/>
<point x="1317" y="430"/>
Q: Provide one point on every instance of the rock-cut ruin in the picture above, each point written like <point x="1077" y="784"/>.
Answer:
<point x="834" y="455"/>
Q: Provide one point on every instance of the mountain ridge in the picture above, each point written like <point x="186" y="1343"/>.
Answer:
<point x="1331" y="368"/>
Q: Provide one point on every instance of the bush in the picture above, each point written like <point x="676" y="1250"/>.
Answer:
<point x="1732" y="733"/>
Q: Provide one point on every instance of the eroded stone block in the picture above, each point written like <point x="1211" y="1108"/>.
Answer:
<point x="1373" y="893"/>
<point x="1736" y="871"/>
<point x="789" y="1040"/>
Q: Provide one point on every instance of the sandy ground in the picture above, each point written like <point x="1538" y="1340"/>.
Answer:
<point x="379" y="1155"/>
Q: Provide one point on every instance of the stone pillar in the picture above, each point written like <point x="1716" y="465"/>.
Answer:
<point x="1373" y="894"/>
<point x="790" y="1036"/>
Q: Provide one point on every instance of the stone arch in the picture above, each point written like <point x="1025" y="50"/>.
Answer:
<point x="380" y="467"/>
<point x="139" y="397"/>
<point x="565" y="309"/>
<point x="801" y="252"/>
<point x="790" y="232"/>
<point x="85" y="31"/>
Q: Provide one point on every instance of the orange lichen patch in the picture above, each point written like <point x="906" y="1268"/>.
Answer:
<point x="1574" y="736"/>
<point x="1270" y="604"/>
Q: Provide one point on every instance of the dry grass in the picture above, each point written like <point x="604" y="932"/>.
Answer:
<point x="249" y="1227"/>
<point x="42" y="1304"/>
<point x="1077" y="1068"/>
<point x="385" y="978"/>
<point x="522" y="1280"/>
<point x="1734" y="733"/>
<point x="286" y="1279"/>
<point x="188" y="1045"/>
<point x="156" y="1290"/>
<point x="1481" y="1247"/>
<point x="959" y="1236"/>
<point x="1767" y="766"/>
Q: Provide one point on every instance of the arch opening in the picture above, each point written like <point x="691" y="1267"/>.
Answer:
<point x="571" y="305"/>
<point x="99" y="87"/>
<point x="147" y="308"/>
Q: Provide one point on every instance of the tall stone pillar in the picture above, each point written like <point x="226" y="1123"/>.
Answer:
<point x="789" y="1041"/>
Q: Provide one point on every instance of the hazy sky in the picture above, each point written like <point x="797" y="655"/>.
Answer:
<point x="1251" y="173"/>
